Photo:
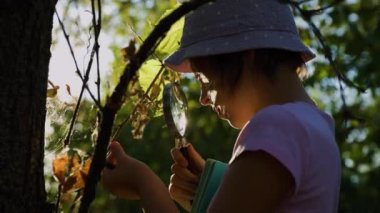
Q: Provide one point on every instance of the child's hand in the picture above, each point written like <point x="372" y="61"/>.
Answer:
<point x="128" y="175"/>
<point x="183" y="182"/>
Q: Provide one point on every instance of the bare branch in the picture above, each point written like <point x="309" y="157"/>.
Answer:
<point x="307" y="15"/>
<point x="58" y="198"/>
<point x="117" y="98"/>
<point x="97" y="27"/>
<point x="94" y="51"/>
<point x="312" y="12"/>
<point x="74" y="58"/>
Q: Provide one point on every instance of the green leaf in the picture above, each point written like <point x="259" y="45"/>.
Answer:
<point x="148" y="72"/>
<point x="172" y="39"/>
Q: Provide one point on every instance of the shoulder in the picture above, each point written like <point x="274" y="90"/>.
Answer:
<point x="292" y="113"/>
<point x="270" y="122"/>
<point x="285" y="132"/>
<point x="293" y="120"/>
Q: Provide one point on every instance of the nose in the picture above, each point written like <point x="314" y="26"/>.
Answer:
<point x="205" y="98"/>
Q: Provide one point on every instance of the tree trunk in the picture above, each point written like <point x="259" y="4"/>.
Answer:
<point x="25" y="38"/>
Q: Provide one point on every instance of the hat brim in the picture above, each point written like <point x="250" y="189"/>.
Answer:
<point x="179" y="62"/>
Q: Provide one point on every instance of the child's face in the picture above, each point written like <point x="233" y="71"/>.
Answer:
<point x="217" y="97"/>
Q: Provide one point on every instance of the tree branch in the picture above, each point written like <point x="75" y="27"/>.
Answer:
<point x="95" y="49"/>
<point x="75" y="60"/>
<point x="307" y="15"/>
<point x="97" y="27"/>
<point x="117" y="98"/>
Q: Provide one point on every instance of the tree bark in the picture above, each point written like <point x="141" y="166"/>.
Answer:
<point x="25" y="39"/>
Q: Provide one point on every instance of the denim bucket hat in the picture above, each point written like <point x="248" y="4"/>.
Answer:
<point x="227" y="26"/>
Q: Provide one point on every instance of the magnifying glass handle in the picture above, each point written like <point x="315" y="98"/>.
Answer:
<point x="190" y="166"/>
<point x="185" y="153"/>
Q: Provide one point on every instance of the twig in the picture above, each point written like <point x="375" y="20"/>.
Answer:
<point x="306" y="15"/>
<point x="313" y="12"/>
<point x="142" y="40"/>
<point x="75" y="201"/>
<point x="97" y="27"/>
<point x="120" y="126"/>
<point x="95" y="48"/>
<point x="74" y="58"/>
<point x="59" y="198"/>
<point x="51" y="84"/>
<point x="117" y="131"/>
<point x="117" y="98"/>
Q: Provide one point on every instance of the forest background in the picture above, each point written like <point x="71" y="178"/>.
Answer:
<point x="351" y="29"/>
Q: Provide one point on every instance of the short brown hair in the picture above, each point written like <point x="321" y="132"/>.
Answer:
<point x="227" y="68"/>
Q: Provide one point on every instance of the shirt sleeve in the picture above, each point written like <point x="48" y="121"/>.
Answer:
<point x="278" y="133"/>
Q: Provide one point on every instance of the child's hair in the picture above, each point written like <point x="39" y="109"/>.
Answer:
<point x="227" y="68"/>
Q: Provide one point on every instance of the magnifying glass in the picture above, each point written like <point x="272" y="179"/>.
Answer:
<point x="175" y="113"/>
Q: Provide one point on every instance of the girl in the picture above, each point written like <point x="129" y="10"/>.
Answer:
<point x="248" y="58"/>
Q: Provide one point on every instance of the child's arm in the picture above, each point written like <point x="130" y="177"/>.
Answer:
<point x="255" y="182"/>
<point x="134" y="180"/>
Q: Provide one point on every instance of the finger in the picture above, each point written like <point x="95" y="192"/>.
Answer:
<point x="184" y="173"/>
<point x="178" y="193"/>
<point x="105" y="176"/>
<point x="178" y="157"/>
<point x="180" y="183"/>
<point x="196" y="159"/>
<point x="186" y="204"/>
<point x="116" y="150"/>
<point x="108" y="181"/>
<point x="110" y="161"/>
<point x="110" y="165"/>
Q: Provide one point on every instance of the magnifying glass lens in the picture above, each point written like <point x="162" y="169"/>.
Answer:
<point x="175" y="113"/>
<point x="179" y="110"/>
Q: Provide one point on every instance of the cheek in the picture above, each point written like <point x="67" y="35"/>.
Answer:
<point x="223" y="97"/>
<point x="230" y="104"/>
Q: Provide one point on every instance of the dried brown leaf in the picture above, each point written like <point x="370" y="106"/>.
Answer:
<point x="68" y="89"/>
<point x="73" y="182"/>
<point x="69" y="104"/>
<point x="75" y="163"/>
<point x="77" y="179"/>
<point x="51" y="93"/>
<point x="129" y="51"/>
<point x="155" y="91"/>
<point x="134" y="86"/>
<point x="86" y="168"/>
<point x="59" y="167"/>
<point x="66" y="198"/>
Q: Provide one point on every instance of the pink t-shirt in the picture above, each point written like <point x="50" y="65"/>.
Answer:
<point x="302" y="138"/>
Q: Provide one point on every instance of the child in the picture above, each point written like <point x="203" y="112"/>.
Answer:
<point x="248" y="58"/>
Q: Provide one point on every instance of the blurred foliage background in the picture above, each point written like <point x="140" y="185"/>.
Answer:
<point x="351" y="29"/>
